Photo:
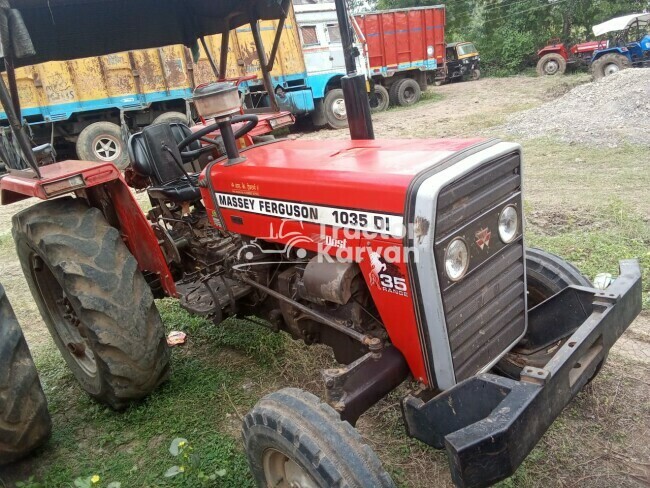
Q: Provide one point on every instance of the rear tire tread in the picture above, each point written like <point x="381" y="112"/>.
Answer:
<point x="25" y="422"/>
<point x="111" y="297"/>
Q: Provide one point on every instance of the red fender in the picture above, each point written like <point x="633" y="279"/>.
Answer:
<point x="131" y="221"/>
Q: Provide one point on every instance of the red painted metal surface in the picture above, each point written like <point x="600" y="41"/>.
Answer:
<point x="134" y="227"/>
<point x="399" y="37"/>
<point x="366" y="176"/>
<point x="561" y="49"/>
<point x="585" y="47"/>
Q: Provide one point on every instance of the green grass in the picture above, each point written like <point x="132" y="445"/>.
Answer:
<point x="215" y="379"/>
<point x="616" y="232"/>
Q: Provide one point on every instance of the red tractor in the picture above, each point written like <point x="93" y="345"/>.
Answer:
<point x="554" y="58"/>
<point x="406" y="257"/>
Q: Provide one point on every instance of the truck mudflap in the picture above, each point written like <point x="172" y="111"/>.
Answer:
<point x="490" y="423"/>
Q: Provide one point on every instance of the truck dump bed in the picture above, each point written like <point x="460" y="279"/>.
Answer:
<point x="404" y="39"/>
<point x="133" y="80"/>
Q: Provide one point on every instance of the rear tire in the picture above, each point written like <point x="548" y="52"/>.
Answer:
<point x="546" y="275"/>
<point x="405" y="92"/>
<point x="292" y="436"/>
<point x="102" y="142"/>
<point x="551" y="64"/>
<point x="382" y="99"/>
<point x="25" y="422"/>
<point x="171" y="118"/>
<point x="93" y="299"/>
<point x="335" y="113"/>
<point x="609" y="64"/>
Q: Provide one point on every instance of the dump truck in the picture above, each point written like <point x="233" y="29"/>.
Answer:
<point x="94" y="103"/>
<point x="404" y="50"/>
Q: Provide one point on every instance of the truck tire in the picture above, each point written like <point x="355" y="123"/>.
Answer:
<point x="609" y="64"/>
<point x="25" y="422"/>
<point x="546" y="275"/>
<point x="382" y="100"/>
<point x="102" y="142"/>
<point x="171" y="118"/>
<point x="93" y="299"/>
<point x="551" y="64"/>
<point x="405" y="93"/>
<point x="335" y="113"/>
<point x="292" y="436"/>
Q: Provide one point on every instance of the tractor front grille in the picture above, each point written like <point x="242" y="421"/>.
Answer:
<point x="485" y="311"/>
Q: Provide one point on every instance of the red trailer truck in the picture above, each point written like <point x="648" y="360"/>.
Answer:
<point x="403" y="47"/>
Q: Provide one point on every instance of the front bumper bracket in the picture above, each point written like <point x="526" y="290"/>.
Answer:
<point x="489" y="423"/>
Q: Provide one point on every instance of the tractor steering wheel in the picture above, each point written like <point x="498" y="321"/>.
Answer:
<point x="250" y="119"/>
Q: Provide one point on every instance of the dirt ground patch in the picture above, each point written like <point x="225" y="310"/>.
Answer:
<point x="600" y="440"/>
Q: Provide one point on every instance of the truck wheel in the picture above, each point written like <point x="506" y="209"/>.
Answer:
<point x="93" y="299"/>
<point x="335" y="113"/>
<point x="102" y="142"/>
<point x="546" y="275"/>
<point x="551" y="64"/>
<point x="24" y="419"/>
<point x="293" y="439"/>
<point x="609" y="64"/>
<point x="405" y="92"/>
<point x="381" y="100"/>
<point x="171" y="118"/>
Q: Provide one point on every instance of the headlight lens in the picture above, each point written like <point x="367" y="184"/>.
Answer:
<point x="456" y="259"/>
<point x="508" y="224"/>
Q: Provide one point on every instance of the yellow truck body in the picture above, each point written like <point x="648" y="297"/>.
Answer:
<point x="95" y="102"/>
<point x="134" y="80"/>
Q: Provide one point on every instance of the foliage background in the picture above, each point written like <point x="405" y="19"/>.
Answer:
<point x="508" y="33"/>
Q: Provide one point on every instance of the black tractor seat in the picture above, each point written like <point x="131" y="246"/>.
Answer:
<point x="154" y="154"/>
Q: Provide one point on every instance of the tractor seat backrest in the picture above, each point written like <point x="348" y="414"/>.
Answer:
<point x="148" y="158"/>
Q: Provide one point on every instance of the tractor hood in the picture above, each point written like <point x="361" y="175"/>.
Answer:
<point x="619" y="23"/>
<point x="363" y="175"/>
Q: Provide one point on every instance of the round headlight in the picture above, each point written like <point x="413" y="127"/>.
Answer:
<point x="456" y="259"/>
<point x="508" y="224"/>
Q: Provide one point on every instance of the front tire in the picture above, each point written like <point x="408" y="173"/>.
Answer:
<point x="103" y="142"/>
<point x="609" y="64"/>
<point x="93" y="299"/>
<point x="335" y="113"/>
<point x="293" y="439"/>
<point x="25" y="422"/>
<point x="546" y="275"/>
<point x="551" y="64"/>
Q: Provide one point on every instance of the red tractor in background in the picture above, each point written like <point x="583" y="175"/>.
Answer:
<point x="406" y="257"/>
<point x="556" y="56"/>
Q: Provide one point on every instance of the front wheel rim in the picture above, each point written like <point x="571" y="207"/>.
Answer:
<point x="107" y="148"/>
<point x="63" y="316"/>
<point x="281" y="471"/>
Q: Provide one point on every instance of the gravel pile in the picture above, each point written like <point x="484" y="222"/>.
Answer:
<point x="609" y="112"/>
